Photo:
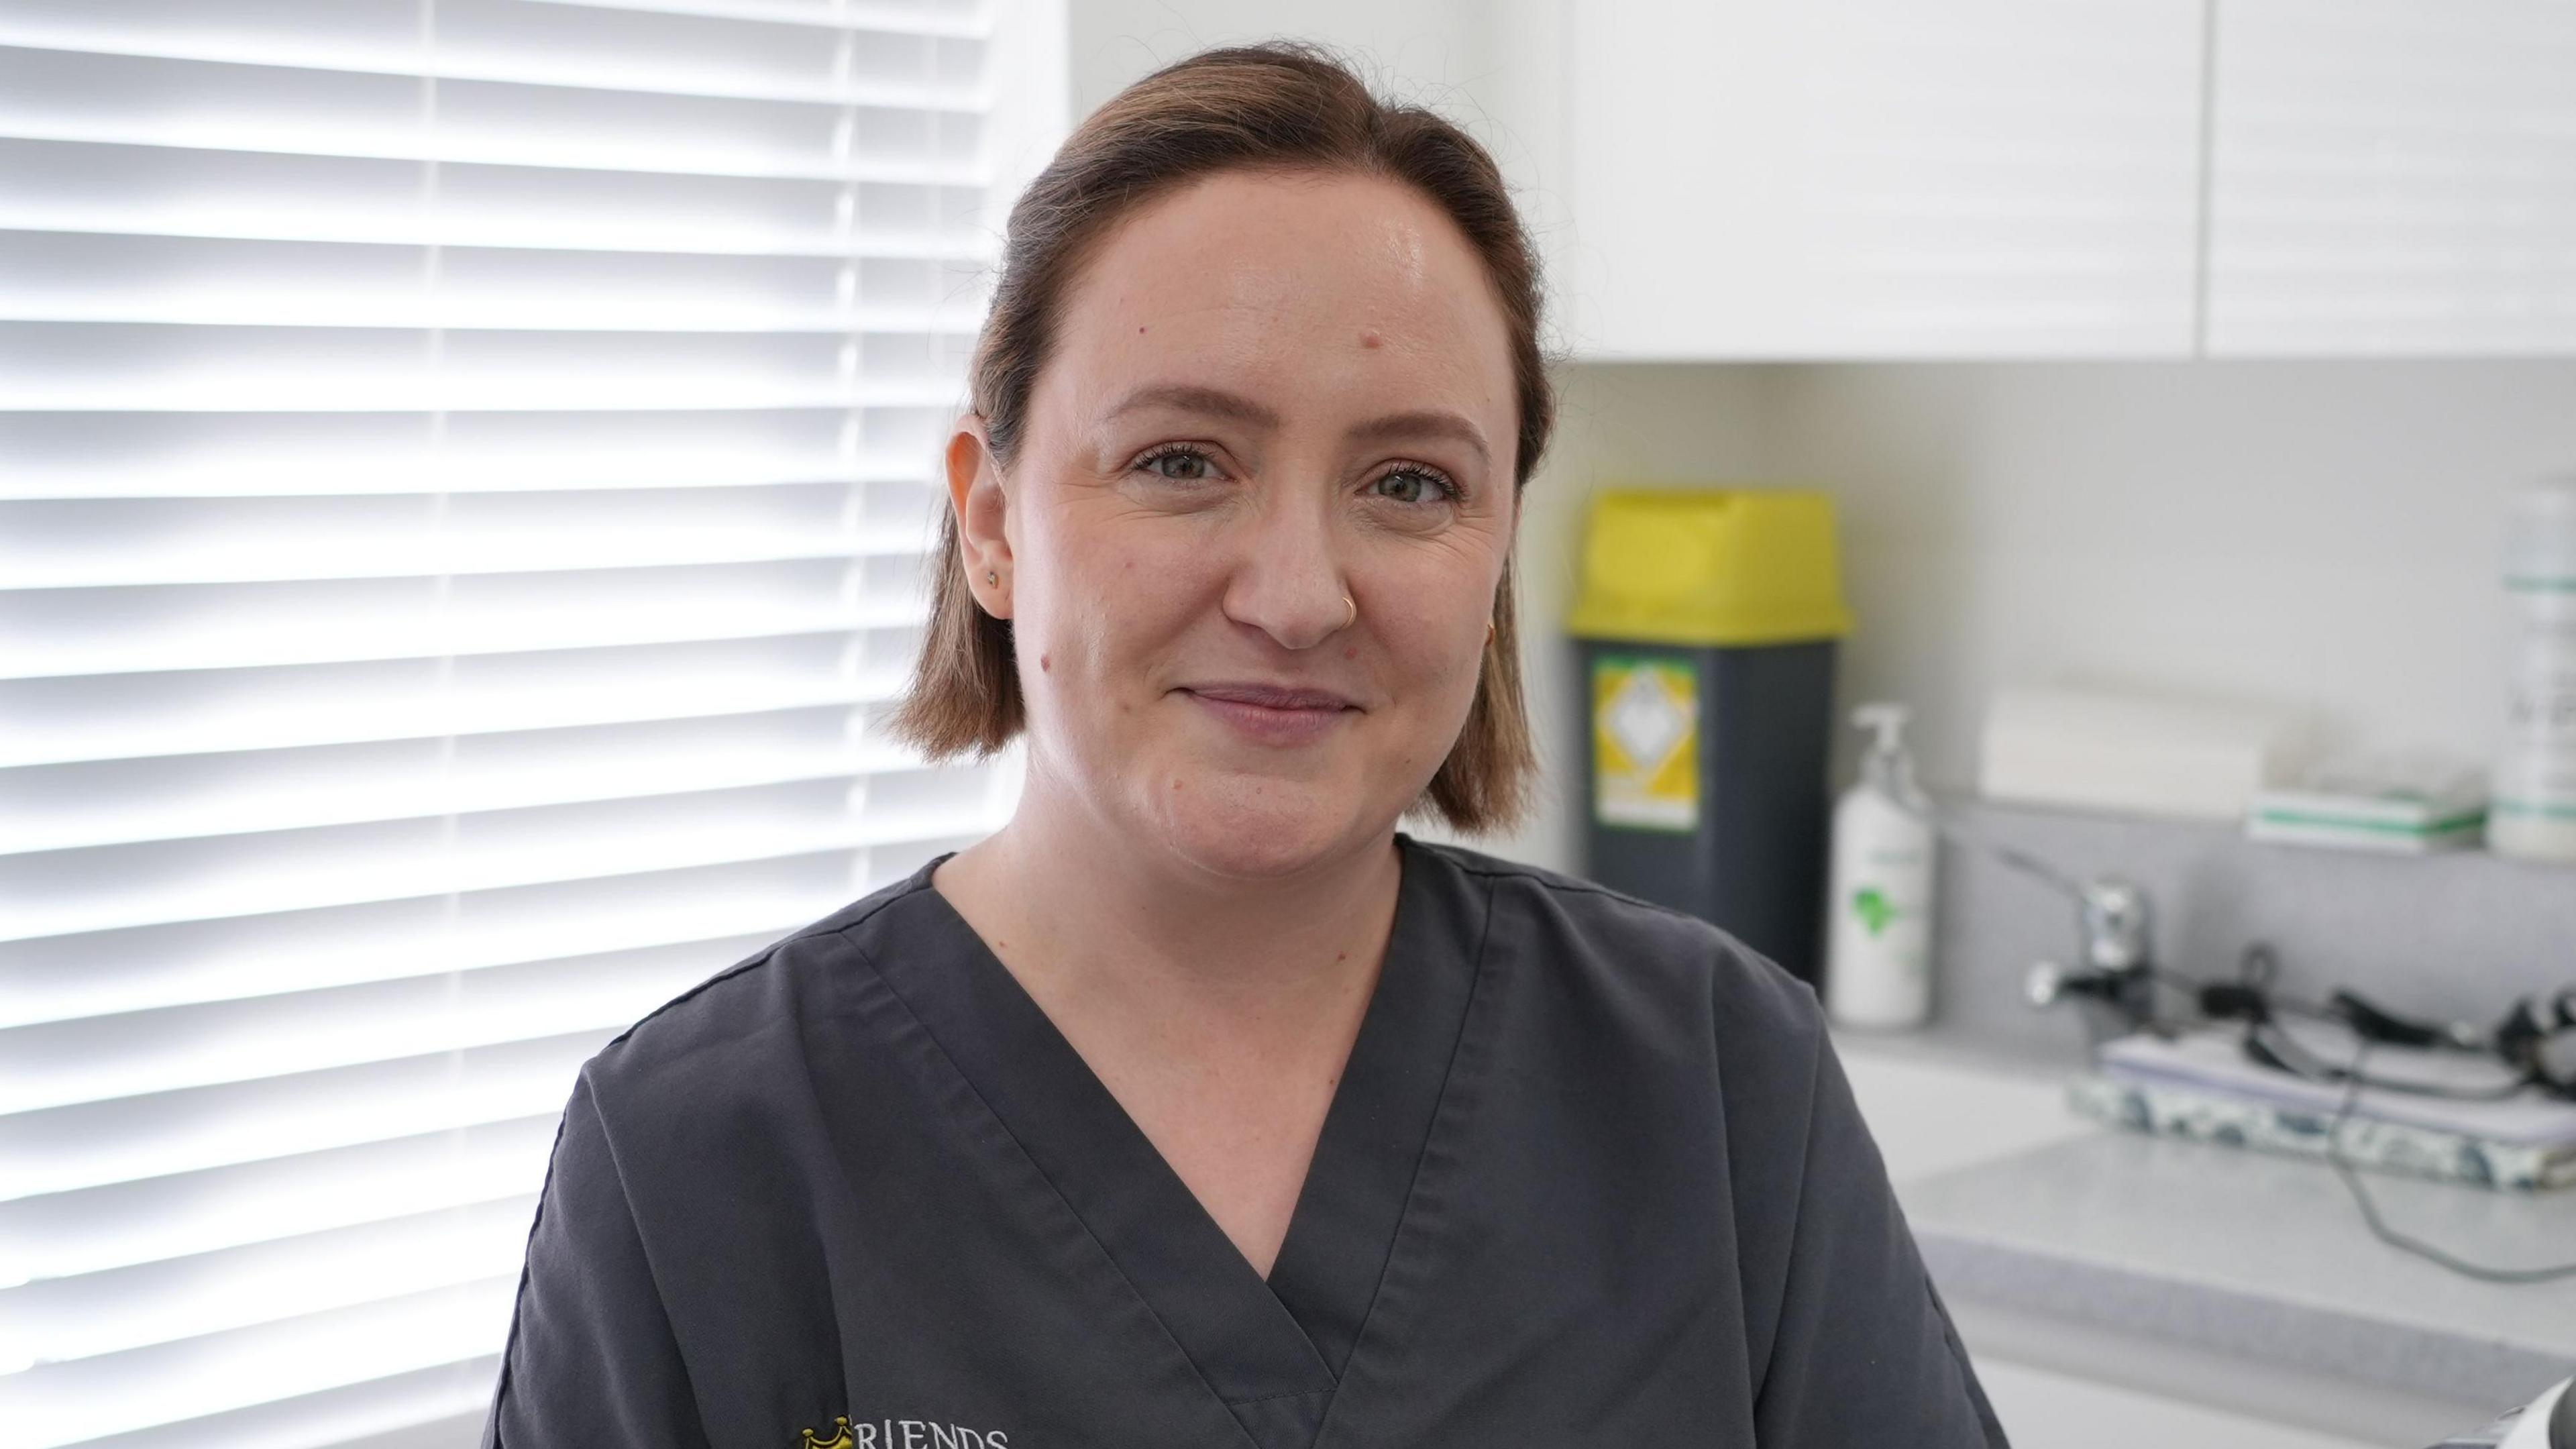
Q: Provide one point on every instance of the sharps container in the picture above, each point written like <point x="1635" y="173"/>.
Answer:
<point x="1706" y="625"/>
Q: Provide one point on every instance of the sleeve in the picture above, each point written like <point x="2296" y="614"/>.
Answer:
<point x="1864" y="1352"/>
<point x="590" y="1357"/>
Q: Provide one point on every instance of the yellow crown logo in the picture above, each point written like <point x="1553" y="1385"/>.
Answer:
<point x="839" y="1440"/>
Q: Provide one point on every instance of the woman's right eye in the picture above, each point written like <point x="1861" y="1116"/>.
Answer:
<point x="1189" y="465"/>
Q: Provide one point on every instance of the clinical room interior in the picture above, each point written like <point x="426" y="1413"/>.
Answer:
<point x="2059" y="537"/>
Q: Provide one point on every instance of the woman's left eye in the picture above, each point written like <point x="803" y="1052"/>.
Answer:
<point x="1414" y="485"/>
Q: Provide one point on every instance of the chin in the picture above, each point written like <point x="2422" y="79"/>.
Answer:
<point x="1253" y="827"/>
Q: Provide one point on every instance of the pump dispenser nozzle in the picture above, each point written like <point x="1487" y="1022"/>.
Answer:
<point x="1888" y="718"/>
<point x="1887" y="767"/>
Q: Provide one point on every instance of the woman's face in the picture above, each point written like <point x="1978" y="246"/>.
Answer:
<point x="1269" y="393"/>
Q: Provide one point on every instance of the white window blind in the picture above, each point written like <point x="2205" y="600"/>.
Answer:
<point x="464" y="476"/>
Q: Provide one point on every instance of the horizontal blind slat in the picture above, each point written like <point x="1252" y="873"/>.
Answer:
<point x="57" y="546"/>
<point x="180" y="1048"/>
<point x="123" y="1139"/>
<point x="451" y="65"/>
<point x="88" y="719"/>
<point x="213" y="797"/>
<point x="934" y="17"/>
<point x="79" y="277"/>
<point x="130" y="100"/>
<point x="295" y="143"/>
<point x="143" y="968"/>
<point x="224" y="879"/>
<point x="572" y="250"/>
<point x="190" y="191"/>
<point x="60" y="1235"/>
<point x="123" y="1309"/>
<point x="67" y="1403"/>
<point x="73" y="633"/>
<point x="66" y="543"/>
<point x="126" y="367"/>
<point x="444" y="1403"/>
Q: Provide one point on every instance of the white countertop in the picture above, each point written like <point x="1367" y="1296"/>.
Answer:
<point x="2237" y="1257"/>
<point x="2253" y="1253"/>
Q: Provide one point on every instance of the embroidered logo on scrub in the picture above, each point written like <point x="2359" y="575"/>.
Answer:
<point x="904" y="1434"/>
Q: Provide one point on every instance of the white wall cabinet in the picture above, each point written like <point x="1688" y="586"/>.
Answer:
<point x="2393" y="177"/>
<point x="1786" y="179"/>
<point x="1875" y="178"/>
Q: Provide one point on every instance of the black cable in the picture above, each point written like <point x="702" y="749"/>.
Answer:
<point x="2250" y="998"/>
<point x="2315" y="1070"/>
<point x="2379" y="1228"/>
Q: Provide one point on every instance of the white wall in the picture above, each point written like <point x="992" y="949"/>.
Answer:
<point x="2323" y="535"/>
<point x="1425" y="42"/>
<point x="1496" y="67"/>
<point x="2317" y="534"/>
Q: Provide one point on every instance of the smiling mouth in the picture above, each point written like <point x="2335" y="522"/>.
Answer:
<point x="1273" y="715"/>
<point x="1271" y="696"/>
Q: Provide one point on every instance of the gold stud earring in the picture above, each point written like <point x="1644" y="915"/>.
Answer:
<point x="991" y="577"/>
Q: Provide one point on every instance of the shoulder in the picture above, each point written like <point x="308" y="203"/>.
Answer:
<point x="745" y="1018"/>
<point x="1626" y="986"/>
<point x="1631" y="945"/>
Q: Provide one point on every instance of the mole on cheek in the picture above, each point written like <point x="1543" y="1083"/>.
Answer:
<point x="1371" y="339"/>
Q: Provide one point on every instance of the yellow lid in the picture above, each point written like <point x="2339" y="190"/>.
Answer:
<point x="1711" y="566"/>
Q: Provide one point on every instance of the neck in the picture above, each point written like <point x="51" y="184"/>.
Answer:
<point x="1097" y="918"/>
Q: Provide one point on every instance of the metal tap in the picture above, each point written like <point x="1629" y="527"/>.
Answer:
<point x="2114" y="983"/>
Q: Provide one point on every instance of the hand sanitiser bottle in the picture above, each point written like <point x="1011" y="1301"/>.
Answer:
<point x="1878" y="963"/>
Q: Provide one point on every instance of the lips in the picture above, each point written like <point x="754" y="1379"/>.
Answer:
<point x="1272" y="714"/>
<point x="1271" y="696"/>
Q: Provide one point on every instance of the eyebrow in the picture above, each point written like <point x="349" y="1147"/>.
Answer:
<point x="1217" y="402"/>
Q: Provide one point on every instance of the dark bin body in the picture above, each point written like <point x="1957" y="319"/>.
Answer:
<point x="1755" y="862"/>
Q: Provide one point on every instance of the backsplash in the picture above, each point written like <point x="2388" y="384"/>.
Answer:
<point x="2456" y="935"/>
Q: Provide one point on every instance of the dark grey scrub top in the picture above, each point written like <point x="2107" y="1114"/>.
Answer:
<point x="1593" y="1176"/>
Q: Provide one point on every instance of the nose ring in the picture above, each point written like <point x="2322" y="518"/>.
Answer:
<point x="1349" y="603"/>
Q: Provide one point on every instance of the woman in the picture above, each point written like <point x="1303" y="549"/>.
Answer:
<point x="1200" y="1106"/>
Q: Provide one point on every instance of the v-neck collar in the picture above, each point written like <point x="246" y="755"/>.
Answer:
<point x="1274" y="1349"/>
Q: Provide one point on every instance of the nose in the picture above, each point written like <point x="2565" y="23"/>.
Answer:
<point x="1287" y="576"/>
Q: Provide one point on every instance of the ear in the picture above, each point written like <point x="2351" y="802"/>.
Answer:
<point x="976" y="495"/>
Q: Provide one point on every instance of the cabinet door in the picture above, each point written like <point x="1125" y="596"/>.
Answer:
<point x="1882" y="178"/>
<point x="2393" y="177"/>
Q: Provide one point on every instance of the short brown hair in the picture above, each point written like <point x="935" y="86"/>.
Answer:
<point x="1281" y="105"/>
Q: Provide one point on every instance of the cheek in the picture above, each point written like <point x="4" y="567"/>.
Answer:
<point x="1450" y="677"/>
<point x="1105" y="600"/>
<point x="1439" y="658"/>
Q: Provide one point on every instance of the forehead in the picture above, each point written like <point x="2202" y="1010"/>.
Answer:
<point x="1335" y="288"/>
